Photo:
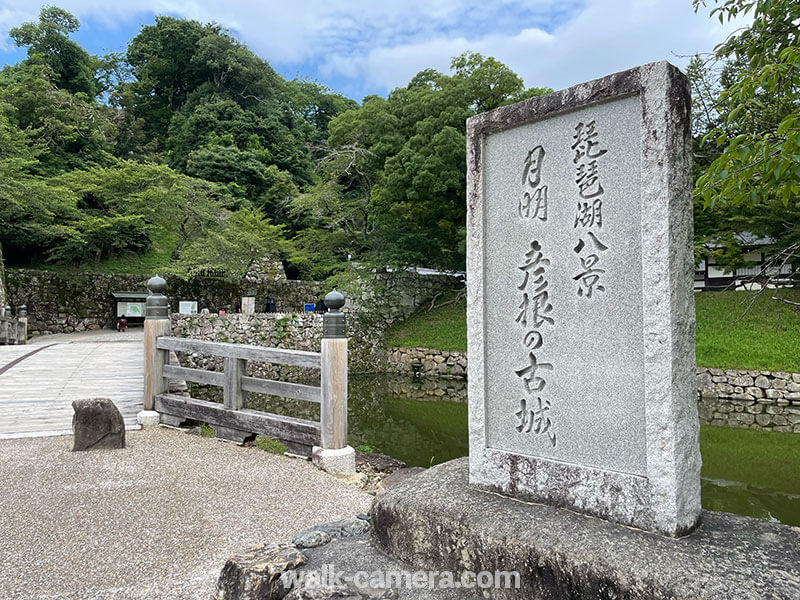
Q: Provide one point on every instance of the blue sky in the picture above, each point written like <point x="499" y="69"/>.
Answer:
<point x="361" y="47"/>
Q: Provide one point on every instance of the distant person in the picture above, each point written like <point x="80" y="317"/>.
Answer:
<point x="122" y="324"/>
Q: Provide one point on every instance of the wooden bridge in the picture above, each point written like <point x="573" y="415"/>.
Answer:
<point x="39" y="381"/>
<point x="38" y="384"/>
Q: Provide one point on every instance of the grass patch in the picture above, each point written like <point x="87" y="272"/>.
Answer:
<point x="442" y="328"/>
<point x="206" y="430"/>
<point x="765" y="337"/>
<point x="270" y="444"/>
<point x="366" y="448"/>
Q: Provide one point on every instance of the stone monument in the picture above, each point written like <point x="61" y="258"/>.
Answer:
<point x="580" y="301"/>
<point x="581" y="381"/>
<point x="97" y="424"/>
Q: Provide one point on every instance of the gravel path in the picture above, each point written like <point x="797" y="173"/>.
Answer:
<point x="156" y="520"/>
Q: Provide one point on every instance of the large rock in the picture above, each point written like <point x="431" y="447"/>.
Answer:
<point x="256" y="574"/>
<point x="437" y="521"/>
<point x="97" y="424"/>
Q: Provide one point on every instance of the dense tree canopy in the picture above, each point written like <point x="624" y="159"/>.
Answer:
<point x="190" y="148"/>
<point x="399" y="164"/>
<point x="74" y="69"/>
<point x="748" y="126"/>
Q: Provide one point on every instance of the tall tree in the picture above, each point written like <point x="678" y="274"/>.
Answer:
<point x="218" y="110"/>
<point x="759" y="136"/>
<point x="409" y="159"/>
<point x="749" y="175"/>
<point x="74" y="68"/>
<point x="71" y="130"/>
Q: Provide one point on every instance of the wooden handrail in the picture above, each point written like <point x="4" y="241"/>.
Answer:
<point x="232" y="419"/>
<point x="295" y="358"/>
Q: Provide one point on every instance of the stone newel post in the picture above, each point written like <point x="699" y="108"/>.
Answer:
<point x="334" y="456"/>
<point x="156" y="324"/>
<point x="22" y="324"/>
<point x="5" y="328"/>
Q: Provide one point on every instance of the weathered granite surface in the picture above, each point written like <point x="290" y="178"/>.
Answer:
<point x="97" y="424"/>
<point x="629" y="348"/>
<point x="339" y="565"/>
<point x="256" y="573"/>
<point x="322" y="534"/>
<point x="436" y="520"/>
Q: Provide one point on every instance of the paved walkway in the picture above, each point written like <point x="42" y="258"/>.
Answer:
<point x="39" y="381"/>
<point x="155" y="520"/>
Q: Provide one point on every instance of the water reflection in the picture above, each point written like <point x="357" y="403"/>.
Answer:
<point x="740" y="498"/>
<point x="423" y="421"/>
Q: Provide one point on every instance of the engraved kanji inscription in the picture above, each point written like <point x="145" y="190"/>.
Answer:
<point x="589" y="255"/>
<point x="533" y="202"/>
<point x="533" y="383"/>
<point x="535" y="311"/>
<point x="535" y="419"/>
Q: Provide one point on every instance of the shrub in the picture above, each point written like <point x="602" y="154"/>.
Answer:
<point x="270" y="444"/>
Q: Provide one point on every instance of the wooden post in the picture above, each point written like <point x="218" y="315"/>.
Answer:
<point x="156" y="324"/>
<point x="333" y="377"/>
<point x="235" y="369"/>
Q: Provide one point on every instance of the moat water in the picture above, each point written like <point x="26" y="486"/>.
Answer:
<point x="423" y="422"/>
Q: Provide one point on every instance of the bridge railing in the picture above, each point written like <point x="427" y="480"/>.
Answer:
<point x="325" y="440"/>
<point x="13" y="330"/>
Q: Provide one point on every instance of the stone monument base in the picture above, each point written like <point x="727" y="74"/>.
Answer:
<point x="434" y="525"/>
<point x="436" y="521"/>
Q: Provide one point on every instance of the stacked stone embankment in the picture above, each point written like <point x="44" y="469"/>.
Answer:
<point x="68" y="302"/>
<point x="428" y="361"/>
<point x="768" y="400"/>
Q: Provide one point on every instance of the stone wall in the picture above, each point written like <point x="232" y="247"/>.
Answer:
<point x="61" y="303"/>
<point x="428" y="362"/>
<point x="67" y="302"/>
<point x="297" y="331"/>
<point x="752" y="399"/>
<point x="378" y="300"/>
<point x="294" y="331"/>
<point x="375" y="302"/>
<point x="430" y="389"/>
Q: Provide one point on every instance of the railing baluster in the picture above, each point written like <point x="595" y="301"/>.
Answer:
<point x="234" y="397"/>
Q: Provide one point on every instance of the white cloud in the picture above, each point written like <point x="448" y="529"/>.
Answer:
<point x="297" y="31"/>
<point x="380" y="44"/>
<point x="607" y="36"/>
